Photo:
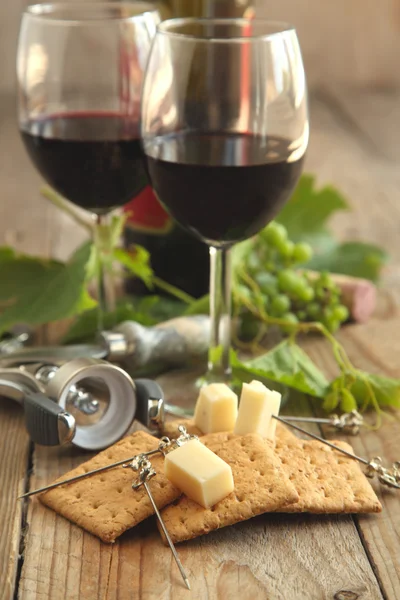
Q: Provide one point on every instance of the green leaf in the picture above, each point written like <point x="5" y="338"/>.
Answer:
<point x="137" y="261"/>
<point x="37" y="291"/>
<point x="331" y="401"/>
<point x="347" y="402"/>
<point x="351" y="258"/>
<point x="287" y="364"/>
<point x="199" y="307"/>
<point x="159" y="308"/>
<point x="386" y="390"/>
<point x="6" y="253"/>
<point x="309" y="209"/>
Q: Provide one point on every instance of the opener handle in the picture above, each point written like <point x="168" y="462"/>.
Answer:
<point x="150" y="404"/>
<point x="47" y="422"/>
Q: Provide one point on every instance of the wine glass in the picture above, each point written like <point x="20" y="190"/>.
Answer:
<point x="80" y="67"/>
<point x="225" y="130"/>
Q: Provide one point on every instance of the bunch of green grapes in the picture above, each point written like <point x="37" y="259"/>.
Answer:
<point x="287" y="292"/>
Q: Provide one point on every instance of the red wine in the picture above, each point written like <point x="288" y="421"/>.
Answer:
<point x="222" y="187"/>
<point x="95" y="160"/>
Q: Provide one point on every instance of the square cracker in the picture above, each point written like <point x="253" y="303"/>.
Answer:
<point x="171" y="429"/>
<point x="260" y="486"/>
<point x="326" y="480"/>
<point x="105" y="504"/>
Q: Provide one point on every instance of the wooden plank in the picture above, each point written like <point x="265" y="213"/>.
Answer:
<point x="14" y="451"/>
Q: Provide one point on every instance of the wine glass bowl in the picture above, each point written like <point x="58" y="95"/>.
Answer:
<point x="225" y="124"/>
<point x="80" y="68"/>
<point x="225" y="130"/>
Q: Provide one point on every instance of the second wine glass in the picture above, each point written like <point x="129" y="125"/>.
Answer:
<point x="225" y="130"/>
<point x="80" y="68"/>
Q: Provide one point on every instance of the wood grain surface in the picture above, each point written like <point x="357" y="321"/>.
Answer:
<point x="289" y="557"/>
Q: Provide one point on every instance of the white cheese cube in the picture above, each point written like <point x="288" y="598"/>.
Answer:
<point x="256" y="407"/>
<point x="199" y="473"/>
<point x="216" y="408"/>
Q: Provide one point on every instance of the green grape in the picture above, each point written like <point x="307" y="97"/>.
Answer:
<point x="289" y="281"/>
<point x="294" y="284"/>
<point x="302" y="315"/>
<point x="267" y="282"/>
<point x="340" y="313"/>
<point x="302" y="252"/>
<point x="285" y="249"/>
<point x="291" y="320"/>
<point x="334" y="296"/>
<point x="270" y="266"/>
<point x="314" y="310"/>
<point x="244" y="293"/>
<point x="253" y="262"/>
<point x="306" y="294"/>
<point x="326" y="281"/>
<point x="274" y="234"/>
<point x="330" y="322"/>
<point x="249" y="327"/>
<point x="280" y="304"/>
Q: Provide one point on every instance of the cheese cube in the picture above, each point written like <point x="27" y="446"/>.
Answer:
<point x="257" y="405"/>
<point x="199" y="473"/>
<point x="216" y="408"/>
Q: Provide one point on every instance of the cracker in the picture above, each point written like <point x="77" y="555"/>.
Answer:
<point x="326" y="480"/>
<point x="171" y="429"/>
<point x="105" y="504"/>
<point x="260" y="486"/>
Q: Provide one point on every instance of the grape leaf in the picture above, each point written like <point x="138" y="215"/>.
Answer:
<point x="287" y="364"/>
<point x="137" y="261"/>
<point x="308" y="210"/>
<point x="306" y="216"/>
<point x="386" y="390"/>
<point x="37" y="291"/>
<point x="350" y="258"/>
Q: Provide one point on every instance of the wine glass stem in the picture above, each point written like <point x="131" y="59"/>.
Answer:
<point x="220" y="314"/>
<point x="105" y="280"/>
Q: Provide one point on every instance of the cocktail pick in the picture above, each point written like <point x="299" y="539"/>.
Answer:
<point x="347" y="422"/>
<point x="387" y="476"/>
<point x="165" y="446"/>
<point x="146" y="471"/>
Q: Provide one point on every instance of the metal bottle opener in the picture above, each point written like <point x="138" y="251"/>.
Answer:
<point x="86" y="401"/>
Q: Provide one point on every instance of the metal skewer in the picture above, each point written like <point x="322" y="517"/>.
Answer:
<point x="146" y="472"/>
<point x="164" y="443"/>
<point x="389" y="477"/>
<point x="164" y="446"/>
<point x="348" y="422"/>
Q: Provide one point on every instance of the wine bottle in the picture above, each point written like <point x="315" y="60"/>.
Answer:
<point x="176" y="256"/>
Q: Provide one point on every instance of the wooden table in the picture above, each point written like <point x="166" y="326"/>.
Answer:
<point x="355" y="144"/>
